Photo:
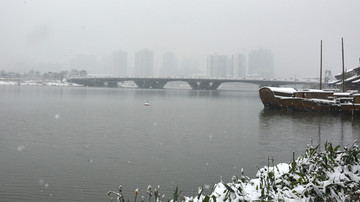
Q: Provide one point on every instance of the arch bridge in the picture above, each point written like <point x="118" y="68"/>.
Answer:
<point x="160" y="82"/>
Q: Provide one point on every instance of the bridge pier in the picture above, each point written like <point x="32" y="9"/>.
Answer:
<point x="194" y="85"/>
<point x="146" y="84"/>
<point x="139" y="84"/>
<point x="158" y="84"/>
<point x="204" y="85"/>
<point x="112" y="84"/>
<point x="215" y="85"/>
<point x="150" y="84"/>
<point x="95" y="83"/>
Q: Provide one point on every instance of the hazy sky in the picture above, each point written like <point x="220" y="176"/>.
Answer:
<point x="35" y="31"/>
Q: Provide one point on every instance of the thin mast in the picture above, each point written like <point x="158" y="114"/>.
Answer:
<point x="343" y="71"/>
<point x="320" y="64"/>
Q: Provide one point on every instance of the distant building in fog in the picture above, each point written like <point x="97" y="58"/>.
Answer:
<point x="105" y="66"/>
<point x="239" y="64"/>
<point x="48" y="67"/>
<point x="144" y="63"/>
<point x="189" y="67"/>
<point x="169" y="65"/>
<point x="120" y="62"/>
<point x="219" y="66"/>
<point x="85" y="62"/>
<point x="261" y="63"/>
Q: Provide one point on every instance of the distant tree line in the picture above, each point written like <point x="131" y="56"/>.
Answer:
<point x="36" y="75"/>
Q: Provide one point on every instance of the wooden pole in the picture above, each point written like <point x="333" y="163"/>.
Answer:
<point x="343" y="68"/>
<point x="320" y="64"/>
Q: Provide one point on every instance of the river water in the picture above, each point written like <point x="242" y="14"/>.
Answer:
<point x="77" y="143"/>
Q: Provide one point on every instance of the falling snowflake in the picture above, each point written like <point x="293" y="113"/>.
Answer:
<point x="21" y="148"/>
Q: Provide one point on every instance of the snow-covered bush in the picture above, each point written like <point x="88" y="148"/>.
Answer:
<point x="331" y="175"/>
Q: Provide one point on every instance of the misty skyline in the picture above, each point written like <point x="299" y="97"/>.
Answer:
<point x="56" y="31"/>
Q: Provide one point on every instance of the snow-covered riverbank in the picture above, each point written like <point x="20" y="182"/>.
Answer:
<point x="37" y="83"/>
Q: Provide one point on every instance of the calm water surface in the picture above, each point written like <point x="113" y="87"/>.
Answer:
<point x="75" y="144"/>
